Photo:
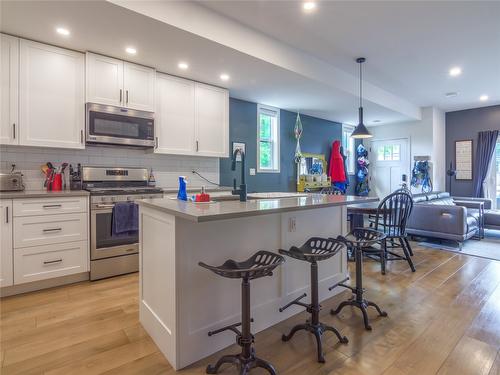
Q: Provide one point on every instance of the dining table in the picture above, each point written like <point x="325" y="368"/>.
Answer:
<point x="357" y="213"/>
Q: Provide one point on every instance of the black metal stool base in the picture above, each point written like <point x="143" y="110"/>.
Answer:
<point x="317" y="330"/>
<point x="243" y="364"/>
<point x="363" y="306"/>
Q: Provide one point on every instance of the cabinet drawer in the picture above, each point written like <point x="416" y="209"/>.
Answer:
<point x="49" y="206"/>
<point x="49" y="229"/>
<point x="48" y="261"/>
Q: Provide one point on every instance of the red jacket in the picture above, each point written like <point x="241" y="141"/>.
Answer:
<point x="336" y="167"/>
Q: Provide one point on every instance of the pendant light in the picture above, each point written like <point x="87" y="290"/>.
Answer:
<point x="361" y="131"/>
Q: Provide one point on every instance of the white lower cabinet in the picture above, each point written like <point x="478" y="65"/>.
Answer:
<point x="49" y="261"/>
<point x="43" y="238"/>
<point x="6" y="268"/>
<point x="49" y="229"/>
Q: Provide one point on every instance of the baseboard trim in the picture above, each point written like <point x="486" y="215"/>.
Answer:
<point x="43" y="284"/>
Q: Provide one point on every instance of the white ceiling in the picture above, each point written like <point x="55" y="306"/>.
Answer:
<point x="297" y="67"/>
<point x="409" y="45"/>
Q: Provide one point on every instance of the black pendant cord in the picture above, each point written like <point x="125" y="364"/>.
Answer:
<point x="360" y="85"/>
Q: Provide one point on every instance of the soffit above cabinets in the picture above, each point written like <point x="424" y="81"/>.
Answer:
<point x="162" y="46"/>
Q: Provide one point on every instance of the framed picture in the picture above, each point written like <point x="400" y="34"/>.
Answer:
<point x="463" y="159"/>
<point x="241" y="146"/>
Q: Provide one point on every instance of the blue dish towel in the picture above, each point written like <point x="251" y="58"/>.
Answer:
<point x="125" y="218"/>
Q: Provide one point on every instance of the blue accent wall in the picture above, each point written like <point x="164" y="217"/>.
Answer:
<point x="317" y="138"/>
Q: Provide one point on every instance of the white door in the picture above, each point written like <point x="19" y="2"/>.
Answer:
<point x="389" y="160"/>
<point x="211" y="120"/>
<point x="104" y="80"/>
<point x="9" y="94"/>
<point x="6" y="263"/>
<point x="51" y="96"/>
<point x="174" y="115"/>
<point x="139" y="87"/>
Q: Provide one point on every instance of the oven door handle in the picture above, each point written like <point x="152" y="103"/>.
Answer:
<point x="105" y="205"/>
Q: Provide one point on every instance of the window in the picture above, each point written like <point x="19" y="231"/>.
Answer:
<point x="349" y="145"/>
<point x="268" y="142"/>
<point x="389" y="153"/>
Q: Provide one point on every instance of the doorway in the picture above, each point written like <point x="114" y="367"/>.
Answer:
<point x="389" y="159"/>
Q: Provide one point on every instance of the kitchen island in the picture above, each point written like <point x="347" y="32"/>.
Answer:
<point x="180" y="302"/>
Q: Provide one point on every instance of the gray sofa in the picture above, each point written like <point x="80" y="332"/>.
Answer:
<point x="437" y="215"/>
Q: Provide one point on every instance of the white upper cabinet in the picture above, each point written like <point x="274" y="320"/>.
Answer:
<point x="191" y="118"/>
<point x="174" y="115"/>
<point x="9" y="94"/>
<point x="104" y="80"/>
<point x="211" y="120"/>
<point x="6" y="263"/>
<point x="51" y="96"/>
<point x="139" y="87"/>
<point x="122" y="84"/>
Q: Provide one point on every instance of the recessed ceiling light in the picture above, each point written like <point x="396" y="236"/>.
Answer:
<point x="62" y="31"/>
<point x="131" y="50"/>
<point x="224" y="77"/>
<point x="484" y="98"/>
<point x="309" y="5"/>
<point x="455" y="71"/>
<point x="182" y="65"/>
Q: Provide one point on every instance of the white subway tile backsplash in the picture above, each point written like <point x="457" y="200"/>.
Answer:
<point x="167" y="168"/>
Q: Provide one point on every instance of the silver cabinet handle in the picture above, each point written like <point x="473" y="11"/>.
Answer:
<point x="7" y="214"/>
<point x="197" y="146"/>
<point x="52" y="261"/>
<point x="14" y="130"/>
<point x="120" y="96"/>
<point x="52" y="230"/>
<point x="51" y="205"/>
<point x="156" y="142"/>
<point x="81" y="136"/>
<point x="126" y="92"/>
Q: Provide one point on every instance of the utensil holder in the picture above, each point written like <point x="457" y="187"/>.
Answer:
<point x="56" y="184"/>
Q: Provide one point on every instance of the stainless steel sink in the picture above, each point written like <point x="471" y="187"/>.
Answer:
<point x="254" y="196"/>
<point x="224" y="198"/>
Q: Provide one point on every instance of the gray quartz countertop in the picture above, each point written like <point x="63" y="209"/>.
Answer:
<point x="229" y="209"/>
<point x="42" y="194"/>
<point x="192" y="190"/>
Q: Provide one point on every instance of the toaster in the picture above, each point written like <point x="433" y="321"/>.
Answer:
<point x="11" y="181"/>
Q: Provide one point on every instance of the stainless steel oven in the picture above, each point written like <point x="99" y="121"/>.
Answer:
<point x="103" y="243"/>
<point x="111" y="125"/>
<point x="114" y="254"/>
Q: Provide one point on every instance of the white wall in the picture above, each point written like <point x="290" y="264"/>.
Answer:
<point x="167" y="168"/>
<point x="439" y="149"/>
<point x="426" y="137"/>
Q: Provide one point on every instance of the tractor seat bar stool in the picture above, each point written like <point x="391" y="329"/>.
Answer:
<point x="314" y="250"/>
<point x="259" y="265"/>
<point x="358" y="239"/>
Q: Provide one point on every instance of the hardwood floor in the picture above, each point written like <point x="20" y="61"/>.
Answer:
<point x="443" y="319"/>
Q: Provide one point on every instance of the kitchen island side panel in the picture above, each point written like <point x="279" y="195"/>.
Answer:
<point x="157" y="284"/>
<point x="204" y="301"/>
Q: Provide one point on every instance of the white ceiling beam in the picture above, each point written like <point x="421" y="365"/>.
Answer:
<point x="201" y="21"/>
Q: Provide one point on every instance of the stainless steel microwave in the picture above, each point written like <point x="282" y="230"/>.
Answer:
<point x="111" y="125"/>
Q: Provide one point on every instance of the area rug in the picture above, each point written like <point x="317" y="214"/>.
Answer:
<point x="488" y="247"/>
